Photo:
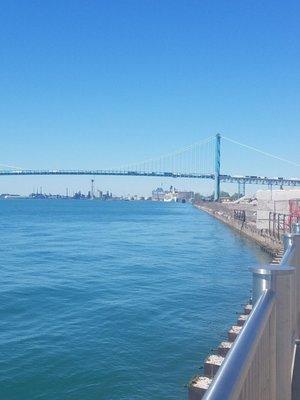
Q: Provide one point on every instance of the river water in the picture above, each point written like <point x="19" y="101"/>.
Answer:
<point x="114" y="300"/>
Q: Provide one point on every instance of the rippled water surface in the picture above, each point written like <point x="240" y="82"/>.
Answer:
<point x="113" y="300"/>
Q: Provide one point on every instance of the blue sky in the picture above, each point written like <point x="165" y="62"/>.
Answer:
<point x="98" y="84"/>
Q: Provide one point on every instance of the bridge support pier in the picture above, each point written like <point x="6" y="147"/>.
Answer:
<point x="241" y="188"/>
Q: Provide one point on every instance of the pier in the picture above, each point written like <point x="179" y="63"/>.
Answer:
<point x="261" y="358"/>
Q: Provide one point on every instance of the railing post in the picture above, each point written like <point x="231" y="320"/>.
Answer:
<point x="279" y="279"/>
<point x="282" y="282"/>
<point x="296" y="228"/>
<point x="292" y="258"/>
<point x="287" y="241"/>
<point x="261" y="281"/>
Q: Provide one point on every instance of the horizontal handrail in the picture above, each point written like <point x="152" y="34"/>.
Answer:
<point x="228" y="381"/>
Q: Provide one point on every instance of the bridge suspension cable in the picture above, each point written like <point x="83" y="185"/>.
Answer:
<point x="262" y="152"/>
<point x="9" y="166"/>
<point x="195" y="158"/>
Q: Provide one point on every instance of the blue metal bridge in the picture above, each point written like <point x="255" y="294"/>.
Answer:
<point x="257" y="180"/>
<point x="186" y="163"/>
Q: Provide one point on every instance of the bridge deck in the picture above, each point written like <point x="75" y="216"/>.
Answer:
<point x="256" y="180"/>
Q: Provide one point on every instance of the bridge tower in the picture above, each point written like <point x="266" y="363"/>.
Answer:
<point x="217" y="167"/>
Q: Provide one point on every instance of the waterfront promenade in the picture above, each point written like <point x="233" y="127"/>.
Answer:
<point x="260" y="359"/>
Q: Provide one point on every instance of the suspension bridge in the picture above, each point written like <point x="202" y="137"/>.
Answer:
<point x="194" y="162"/>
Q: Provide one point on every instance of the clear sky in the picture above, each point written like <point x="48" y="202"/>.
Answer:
<point x="98" y="84"/>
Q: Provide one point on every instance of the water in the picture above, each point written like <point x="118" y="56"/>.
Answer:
<point x="113" y="300"/>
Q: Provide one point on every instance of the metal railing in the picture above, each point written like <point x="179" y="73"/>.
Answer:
<point x="259" y="365"/>
<point x="239" y="215"/>
<point x="279" y="224"/>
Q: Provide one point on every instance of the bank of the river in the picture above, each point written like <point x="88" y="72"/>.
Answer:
<point x="225" y="213"/>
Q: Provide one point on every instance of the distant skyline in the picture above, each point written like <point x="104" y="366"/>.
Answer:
<point x="89" y="84"/>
